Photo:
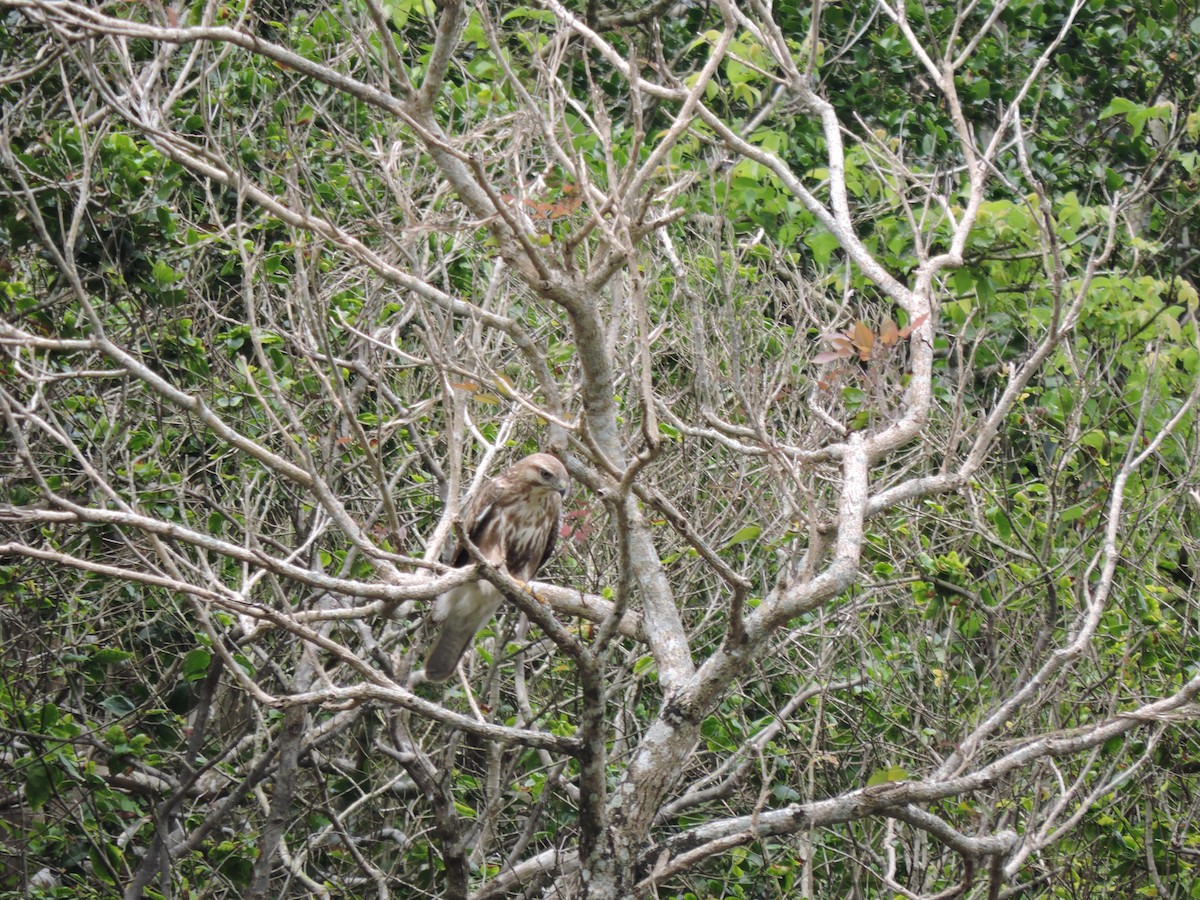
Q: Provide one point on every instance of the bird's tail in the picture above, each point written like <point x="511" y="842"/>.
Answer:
<point x="451" y="644"/>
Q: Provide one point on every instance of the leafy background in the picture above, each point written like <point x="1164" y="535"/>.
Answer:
<point x="119" y="707"/>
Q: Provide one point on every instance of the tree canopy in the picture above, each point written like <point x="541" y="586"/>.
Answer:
<point x="865" y="329"/>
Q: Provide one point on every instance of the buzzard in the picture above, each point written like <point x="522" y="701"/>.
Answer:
<point x="513" y="520"/>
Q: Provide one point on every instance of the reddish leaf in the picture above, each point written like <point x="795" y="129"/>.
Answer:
<point x="908" y="329"/>
<point x="843" y="345"/>
<point x="864" y="340"/>
<point x="888" y="332"/>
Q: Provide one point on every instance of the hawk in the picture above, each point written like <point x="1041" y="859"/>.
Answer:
<point x="513" y="520"/>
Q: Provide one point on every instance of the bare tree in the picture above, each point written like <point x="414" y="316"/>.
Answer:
<point x="289" y="290"/>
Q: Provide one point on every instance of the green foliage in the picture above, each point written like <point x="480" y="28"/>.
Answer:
<point x="305" y="351"/>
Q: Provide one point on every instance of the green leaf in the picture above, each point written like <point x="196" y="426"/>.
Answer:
<point x="822" y="243"/>
<point x="1072" y="513"/>
<point x="196" y="664"/>
<point x="1118" y="106"/>
<point x="48" y="716"/>
<point x="743" y="534"/>
<point x="108" y="656"/>
<point x="1000" y="520"/>
<point x="39" y="784"/>
<point x="884" y="776"/>
<point x="118" y="705"/>
<point x="526" y="12"/>
<point x="164" y="274"/>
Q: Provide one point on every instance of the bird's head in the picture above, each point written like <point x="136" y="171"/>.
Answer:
<point x="543" y="472"/>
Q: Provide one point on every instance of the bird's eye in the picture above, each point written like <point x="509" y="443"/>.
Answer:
<point x="545" y="473"/>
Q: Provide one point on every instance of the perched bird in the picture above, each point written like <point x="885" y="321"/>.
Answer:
<point x="513" y="520"/>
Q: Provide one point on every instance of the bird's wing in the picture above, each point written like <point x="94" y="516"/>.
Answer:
<point x="531" y="533"/>
<point x="552" y="538"/>
<point x="478" y="520"/>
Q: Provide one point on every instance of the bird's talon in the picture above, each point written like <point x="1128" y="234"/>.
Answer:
<point x="530" y="591"/>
